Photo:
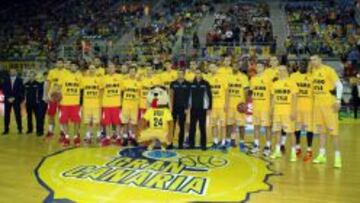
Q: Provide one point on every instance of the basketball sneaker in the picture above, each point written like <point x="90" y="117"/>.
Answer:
<point x="308" y="156"/>
<point x="277" y="154"/>
<point x="255" y="149"/>
<point x="77" y="141"/>
<point x="242" y="147"/>
<point x="320" y="159"/>
<point x="266" y="151"/>
<point x="223" y="148"/>
<point x="214" y="146"/>
<point x="87" y="140"/>
<point x="66" y="141"/>
<point x="114" y="136"/>
<point x="125" y="142"/>
<point x="337" y="161"/>
<point x="293" y="155"/>
<point x="298" y="152"/>
<point x="105" y="142"/>
<point x="228" y="144"/>
<point x="118" y="141"/>
<point x="133" y="141"/>
<point x="49" y="135"/>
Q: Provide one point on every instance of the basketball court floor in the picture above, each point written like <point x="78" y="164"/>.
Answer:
<point x="34" y="171"/>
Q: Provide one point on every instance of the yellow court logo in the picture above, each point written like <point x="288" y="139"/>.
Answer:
<point x="134" y="174"/>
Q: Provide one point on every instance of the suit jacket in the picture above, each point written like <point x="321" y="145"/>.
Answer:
<point x="16" y="91"/>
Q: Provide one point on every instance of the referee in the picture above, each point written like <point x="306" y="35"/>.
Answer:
<point x="179" y="92"/>
<point x="200" y="103"/>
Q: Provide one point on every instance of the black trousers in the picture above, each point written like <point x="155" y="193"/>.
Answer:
<point x="179" y="117"/>
<point x="40" y="119"/>
<point x="31" y="109"/>
<point x="197" y="115"/>
<point x="17" y="110"/>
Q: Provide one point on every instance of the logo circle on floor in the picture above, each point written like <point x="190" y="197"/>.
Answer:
<point x="139" y="175"/>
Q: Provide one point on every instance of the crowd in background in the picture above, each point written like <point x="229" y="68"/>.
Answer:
<point x="243" y="23"/>
<point x="37" y="28"/>
<point x="330" y="28"/>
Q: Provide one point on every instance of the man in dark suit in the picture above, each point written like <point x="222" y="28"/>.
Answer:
<point x="200" y="101"/>
<point x="13" y="89"/>
<point x="31" y="89"/>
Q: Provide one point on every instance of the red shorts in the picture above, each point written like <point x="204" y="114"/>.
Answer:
<point x="141" y="114"/>
<point x="52" y="108"/>
<point x="111" y="116"/>
<point x="69" y="113"/>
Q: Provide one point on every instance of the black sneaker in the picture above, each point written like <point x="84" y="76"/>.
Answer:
<point x="266" y="151"/>
<point x="134" y="142"/>
<point x="125" y="142"/>
<point x="282" y="149"/>
<point x="170" y="146"/>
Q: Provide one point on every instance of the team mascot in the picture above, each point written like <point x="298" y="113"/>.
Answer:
<point x="157" y="121"/>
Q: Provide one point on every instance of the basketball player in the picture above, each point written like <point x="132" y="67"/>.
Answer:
<point x="219" y="90"/>
<point x="130" y="105"/>
<point x="111" y="105"/>
<point x="225" y="69"/>
<point x="52" y="80"/>
<point x="168" y="75"/>
<point x="146" y="82"/>
<point x="91" y="85"/>
<point x="284" y="97"/>
<point x="238" y="90"/>
<point x="304" y="120"/>
<point x="69" y="104"/>
<point x="100" y="71"/>
<point x="260" y="87"/>
<point x="272" y="73"/>
<point x="326" y="106"/>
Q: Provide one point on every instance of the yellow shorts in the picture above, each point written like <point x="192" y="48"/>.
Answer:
<point x="261" y="118"/>
<point x="304" y="121"/>
<point x="129" y="115"/>
<point x="217" y="116"/>
<point x="234" y="117"/>
<point x="91" y="114"/>
<point x="283" y="122"/>
<point x="151" y="134"/>
<point x="326" y="121"/>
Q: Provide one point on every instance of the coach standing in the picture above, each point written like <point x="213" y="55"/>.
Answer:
<point x="13" y="88"/>
<point x="179" y="92"/>
<point x="200" y="103"/>
<point x="41" y="104"/>
<point x="31" y="90"/>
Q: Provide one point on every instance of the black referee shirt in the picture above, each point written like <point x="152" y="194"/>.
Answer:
<point x="181" y="92"/>
<point x="200" y="95"/>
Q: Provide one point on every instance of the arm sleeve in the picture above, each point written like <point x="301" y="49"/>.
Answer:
<point x="339" y="89"/>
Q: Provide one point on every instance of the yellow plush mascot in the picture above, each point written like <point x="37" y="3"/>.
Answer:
<point x="157" y="121"/>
